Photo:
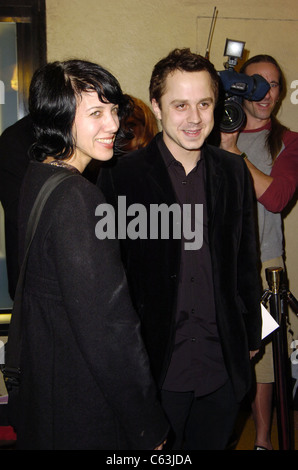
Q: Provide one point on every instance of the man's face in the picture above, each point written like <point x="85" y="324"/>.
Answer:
<point x="258" y="112"/>
<point x="186" y="111"/>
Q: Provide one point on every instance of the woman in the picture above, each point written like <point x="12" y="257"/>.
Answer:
<point x="85" y="380"/>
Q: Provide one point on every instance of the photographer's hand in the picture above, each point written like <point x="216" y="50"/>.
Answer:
<point x="260" y="180"/>
<point x="229" y="142"/>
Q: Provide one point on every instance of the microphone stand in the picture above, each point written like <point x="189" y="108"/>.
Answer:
<point x="278" y="298"/>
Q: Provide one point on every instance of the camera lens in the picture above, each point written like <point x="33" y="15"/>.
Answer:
<point x="233" y="117"/>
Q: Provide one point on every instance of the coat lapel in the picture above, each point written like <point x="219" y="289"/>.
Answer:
<point x="157" y="173"/>
<point x="213" y="180"/>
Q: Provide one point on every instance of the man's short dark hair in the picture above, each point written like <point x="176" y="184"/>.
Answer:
<point x="183" y="60"/>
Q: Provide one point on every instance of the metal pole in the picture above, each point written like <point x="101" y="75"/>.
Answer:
<point x="280" y="357"/>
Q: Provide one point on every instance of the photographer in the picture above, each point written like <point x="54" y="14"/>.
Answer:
<point x="272" y="159"/>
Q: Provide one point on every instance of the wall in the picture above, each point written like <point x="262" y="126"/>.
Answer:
<point x="130" y="36"/>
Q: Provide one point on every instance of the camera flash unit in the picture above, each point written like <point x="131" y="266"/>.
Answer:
<point x="234" y="48"/>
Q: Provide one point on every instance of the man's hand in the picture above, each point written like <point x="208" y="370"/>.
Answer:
<point x="253" y="353"/>
<point x="160" y="447"/>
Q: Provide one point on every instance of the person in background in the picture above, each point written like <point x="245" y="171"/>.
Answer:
<point x="85" y="377"/>
<point x="272" y="159"/>
<point x="15" y="143"/>
<point x="141" y="126"/>
<point x="199" y="305"/>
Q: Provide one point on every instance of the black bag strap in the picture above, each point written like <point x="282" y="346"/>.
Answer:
<point x="11" y="370"/>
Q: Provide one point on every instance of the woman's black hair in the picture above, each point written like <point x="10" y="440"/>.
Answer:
<point x="53" y="95"/>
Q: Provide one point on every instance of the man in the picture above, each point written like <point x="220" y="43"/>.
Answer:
<point x="272" y="158"/>
<point x="198" y="302"/>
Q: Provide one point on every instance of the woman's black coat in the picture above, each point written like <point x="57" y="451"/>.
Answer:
<point x="85" y="379"/>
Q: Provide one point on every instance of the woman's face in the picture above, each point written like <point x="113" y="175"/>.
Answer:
<point x="94" y="130"/>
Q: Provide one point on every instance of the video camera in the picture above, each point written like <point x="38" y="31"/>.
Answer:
<point x="236" y="87"/>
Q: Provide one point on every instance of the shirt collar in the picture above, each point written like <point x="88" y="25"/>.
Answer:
<point x="259" y="129"/>
<point x="167" y="156"/>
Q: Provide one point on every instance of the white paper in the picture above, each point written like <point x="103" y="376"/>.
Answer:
<point x="268" y="323"/>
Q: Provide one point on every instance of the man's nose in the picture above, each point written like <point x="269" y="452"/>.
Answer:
<point x="194" y="115"/>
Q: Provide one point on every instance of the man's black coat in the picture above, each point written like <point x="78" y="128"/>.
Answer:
<point x="152" y="266"/>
